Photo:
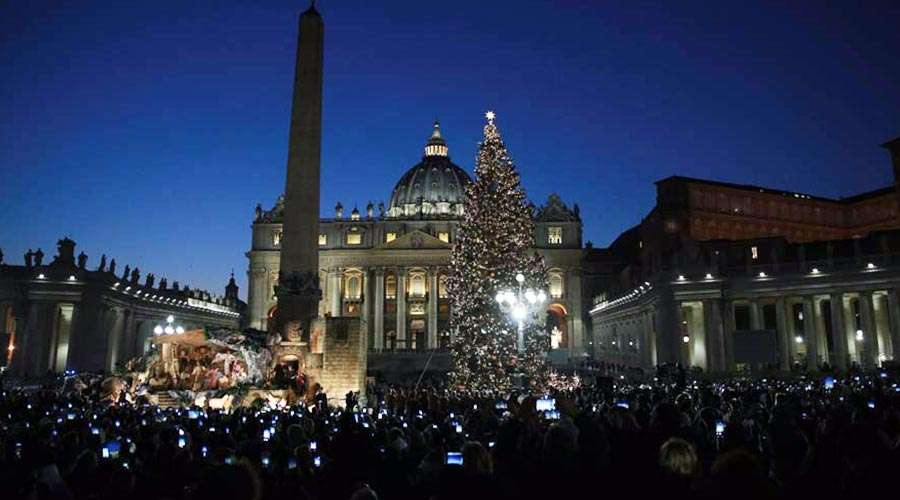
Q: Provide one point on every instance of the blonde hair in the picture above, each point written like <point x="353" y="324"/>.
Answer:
<point x="677" y="456"/>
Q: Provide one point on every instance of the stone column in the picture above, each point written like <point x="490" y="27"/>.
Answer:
<point x="432" y="308"/>
<point x="573" y="304"/>
<point x="697" y="346"/>
<point x="729" y="336"/>
<point x="668" y="330"/>
<point x="18" y="364"/>
<point x="335" y="276"/>
<point x="379" y="308"/>
<point x="838" y="330"/>
<point x="756" y="319"/>
<point x="366" y="305"/>
<point x="810" y="333"/>
<point x="715" y="335"/>
<point x="869" y="357"/>
<point x="107" y="321"/>
<point x="894" y="317"/>
<point x="401" y="308"/>
<point x="782" y="335"/>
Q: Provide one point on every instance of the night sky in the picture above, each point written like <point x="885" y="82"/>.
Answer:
<point x="149" y="132"/>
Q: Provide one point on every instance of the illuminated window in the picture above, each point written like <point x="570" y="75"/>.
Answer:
<point x="353" y="286"/>
<point x="442" y="287"/>
<point x="390" y="287"/>
<point x="754" y="252"/>
<point x="323" y="239"/>
<point x="354" y="239"/>
<point x="556" y="285"/>
<point x="389" y="237"/>
<point x="554" y="235"/>
<point x="416" y="284"/>
<point x="444" y="236"/>
<point x="276" y="238"/>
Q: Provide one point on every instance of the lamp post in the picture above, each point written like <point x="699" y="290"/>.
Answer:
<point x="521" y="305"/>
<point x="170" y="328"/>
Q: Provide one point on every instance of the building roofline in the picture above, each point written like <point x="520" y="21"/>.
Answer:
<point x="791" y="194"/>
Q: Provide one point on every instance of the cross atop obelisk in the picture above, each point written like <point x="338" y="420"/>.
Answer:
<point x="298" y="289"/>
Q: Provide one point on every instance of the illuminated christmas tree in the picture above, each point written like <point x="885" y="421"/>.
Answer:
<point x="492" y="246"/>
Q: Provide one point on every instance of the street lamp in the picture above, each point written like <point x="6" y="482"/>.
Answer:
<point x="521" y="305"/>
<point x="169" y="328"/>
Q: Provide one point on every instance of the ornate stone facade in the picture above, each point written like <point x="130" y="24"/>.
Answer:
<point x="389" y="268"/>
<point x="62" y="316"/>
<point x="726" y="277"/>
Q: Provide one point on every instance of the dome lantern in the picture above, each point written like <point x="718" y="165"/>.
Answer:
<point x="436" y="145"/>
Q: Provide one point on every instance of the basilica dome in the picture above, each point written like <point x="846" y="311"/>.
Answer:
<point x="433" y="187"/>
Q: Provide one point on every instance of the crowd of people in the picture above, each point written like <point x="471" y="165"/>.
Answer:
<point x="799" y="437"/>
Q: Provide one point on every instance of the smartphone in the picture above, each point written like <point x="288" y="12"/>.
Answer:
<point x="622" y="404"/>
<point x="317" y="461"/>
<point x="552" y="414"/>
<point x="182" y="442"/>
<point x="266" y="435"/>
<point x="113" y="449"/>
<point x="545" y="404"/>
<point x="501" y="405"/>
<point x="292" y="463"/>
<point x="491" y="444"/>
<point x="193" y="414"/>
<point x="265" y="460"/>
<point x="720" y="428"/>
<point x="229" y="460"/>
<point x="313" y="445"/>
<point x="829" y="382"/>
<point x="454" y="458"/>
<point x="459" y="428"/>
<point x="204" y="451"/>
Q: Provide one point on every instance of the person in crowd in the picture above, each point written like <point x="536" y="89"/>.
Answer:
<point x="740" y="438"/>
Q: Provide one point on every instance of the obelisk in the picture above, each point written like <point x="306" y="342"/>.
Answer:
<point x="298" y="289"/>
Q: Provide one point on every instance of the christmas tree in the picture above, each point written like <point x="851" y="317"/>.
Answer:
<point x="493" y="246"/>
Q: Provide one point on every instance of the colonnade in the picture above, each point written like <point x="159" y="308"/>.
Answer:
<point x="838" y="328"/>
<point x="373" y="297"/>
<point x="792" y="329"/>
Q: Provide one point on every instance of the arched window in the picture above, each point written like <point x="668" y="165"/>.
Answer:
<point x="442" y="286"/>
<point x="390" y="286"/>
<point x="556" y="284"/>
<point x="353" y="285"/>
<point x="417" y="285"/>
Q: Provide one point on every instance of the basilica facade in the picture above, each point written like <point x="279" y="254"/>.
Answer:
<point x="388" y="265"/>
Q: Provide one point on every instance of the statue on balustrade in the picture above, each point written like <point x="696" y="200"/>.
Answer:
<point x="82" y="260"/>
<point x="102" y="266"/>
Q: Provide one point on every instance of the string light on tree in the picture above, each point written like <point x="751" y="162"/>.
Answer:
<point x="492" y="250"/>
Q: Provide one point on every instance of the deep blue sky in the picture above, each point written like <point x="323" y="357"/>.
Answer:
<point x="150" y="130"/>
